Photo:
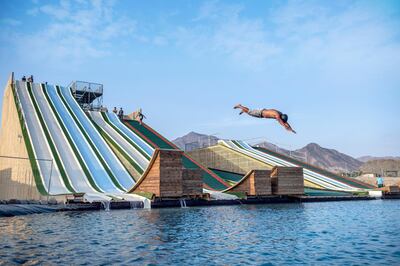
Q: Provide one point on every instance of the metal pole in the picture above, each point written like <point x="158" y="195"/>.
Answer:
<point x="51" y="173"/>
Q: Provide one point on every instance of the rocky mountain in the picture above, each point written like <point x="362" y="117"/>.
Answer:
<point x="194" y="141"/>
<point x="372" y="158"/>
<point x="312" y="153"/>
<point x="381" y="166"/>
<point x="329" y="159"/>
<point x="272" y="147"/>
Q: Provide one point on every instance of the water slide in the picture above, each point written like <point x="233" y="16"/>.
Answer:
<point x="312" y="176"/>
<point x="49" y="172"/>
<point x="142" y="145"/>
<point x="124" y="145"/>
<point x="95" y="171"/>
<point x="59" y="135"/>
<point x="349" y="181"/>
<point x="115" y="169"/>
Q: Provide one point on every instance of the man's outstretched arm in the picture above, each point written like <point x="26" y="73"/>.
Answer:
<point x="285" y="125"/>
<point x="288" y="127"/>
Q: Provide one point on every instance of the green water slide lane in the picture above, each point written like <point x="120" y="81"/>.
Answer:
<point x="29" y="147"/>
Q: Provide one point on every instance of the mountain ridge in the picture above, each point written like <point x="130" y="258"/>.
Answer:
<point x="326" y="158"/>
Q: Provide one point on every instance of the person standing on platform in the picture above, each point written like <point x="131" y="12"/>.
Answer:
<point x="121" y="114"/>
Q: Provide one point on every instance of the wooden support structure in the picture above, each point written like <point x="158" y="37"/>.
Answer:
<point x="16" y="175"/>
<point x="165" y="177"/>
<point x="254" y="183"/>
<point x="192" y="182"/>
<point x="287" y="180"/>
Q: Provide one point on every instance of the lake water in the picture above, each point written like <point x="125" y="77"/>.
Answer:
<point x="360" y="232"/>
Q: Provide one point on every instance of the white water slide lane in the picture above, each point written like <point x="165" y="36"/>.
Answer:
<point x="118" y="170"/>
<point x="73" y="169"/>
<point x="98" y="173"/>
<point x="133" y="153"/>
<point x="40" y="144"/>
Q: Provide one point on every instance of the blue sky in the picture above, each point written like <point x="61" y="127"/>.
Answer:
<point x="332" y="66"/>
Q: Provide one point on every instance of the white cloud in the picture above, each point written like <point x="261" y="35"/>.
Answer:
<point x="222" y="30"/>
<point x="77" y="31"/>
<point x="300" y="32"/>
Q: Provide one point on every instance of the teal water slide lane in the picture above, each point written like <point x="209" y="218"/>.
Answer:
<point x="117" y="172"/>
<point x="95" y="168"/>
<point x="49" y="172"/>
<point x="228" y="176"/>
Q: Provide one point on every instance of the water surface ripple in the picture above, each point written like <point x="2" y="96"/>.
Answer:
<point x="334" y="233"/>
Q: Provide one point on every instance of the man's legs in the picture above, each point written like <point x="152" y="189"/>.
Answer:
<point x="243" y="108"/>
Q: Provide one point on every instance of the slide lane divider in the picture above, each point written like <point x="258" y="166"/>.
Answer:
<point x="99" y="156"/>
<point x="139" y="149"/>
<point x="29" y="146"/>
<point x="50" y="141"/>
<point x="72" y="143"/>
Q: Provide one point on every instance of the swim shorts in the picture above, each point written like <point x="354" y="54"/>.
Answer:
<point x="256" y="113"/>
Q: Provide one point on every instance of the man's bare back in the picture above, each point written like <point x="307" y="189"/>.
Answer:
<point x="267" y="113"/>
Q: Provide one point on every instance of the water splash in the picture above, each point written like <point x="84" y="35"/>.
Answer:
<point x="136" y="204"/>
<point x="106" y="205"/>
<point x="183" y="203"/>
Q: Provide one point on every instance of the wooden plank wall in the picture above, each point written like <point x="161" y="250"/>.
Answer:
<point x="287" y="180"/>
<point x="255" y="183"/>
<point x="167" y="178"/>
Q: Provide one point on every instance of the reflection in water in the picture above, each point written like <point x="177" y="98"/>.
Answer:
<point x="312" y="233"/>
